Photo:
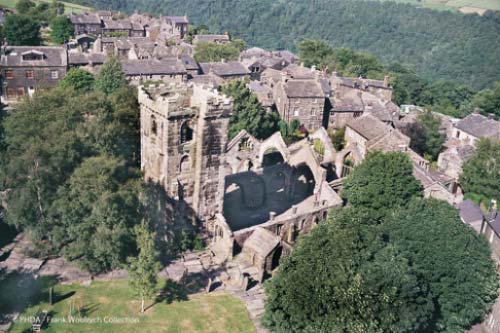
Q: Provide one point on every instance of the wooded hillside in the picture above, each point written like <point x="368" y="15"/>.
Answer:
<point x="437" y="45"/>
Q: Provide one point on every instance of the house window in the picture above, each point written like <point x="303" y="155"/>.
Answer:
<point x="9" y="74"/>
<point x="458" y="134"/>
<point x="11" y="93"/>
<point x="296" y="113"/>
<point x="278" y="229"/>
<point x="30" y="74"/>
<point x="20" y="91"/>
<point x="312" y="112"/>
<point x="54" y="75"/>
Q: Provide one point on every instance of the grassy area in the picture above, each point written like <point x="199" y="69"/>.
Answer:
<point x="105" y="301"/>
<point x="453" y="4"/>
<point x="69" y="7"/>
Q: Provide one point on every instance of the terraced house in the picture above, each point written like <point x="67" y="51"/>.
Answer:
<point x="26" y="69"/>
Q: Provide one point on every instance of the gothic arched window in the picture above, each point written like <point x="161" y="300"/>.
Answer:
<point x="186" y="133"/>
<point x="154" y="126"/>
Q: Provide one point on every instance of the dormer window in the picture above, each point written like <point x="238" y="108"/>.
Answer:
<point x="33" y="55"/>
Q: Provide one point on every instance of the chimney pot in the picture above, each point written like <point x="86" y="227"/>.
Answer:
<point x="272" y="215"/>
<point x="386" y="81"/>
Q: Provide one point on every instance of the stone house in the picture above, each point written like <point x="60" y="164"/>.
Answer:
<point x="105" y="14"/>
<point x="86" y="23"/>
<point x="491" y="230"/>
<point x="302" y="94"/>
<point x="368" y="133"/>
<point x="257" y="60"/>
<point x="474" y="127"/>
<point x="352" y="97"/>
<point x="122" y="28"/>
<point x="175" y="26"/>
<point x="91" y="62"/>
<point x="167" y="71"/>
<point x="25" y="69"/>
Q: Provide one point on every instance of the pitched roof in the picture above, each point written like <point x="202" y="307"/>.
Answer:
<point x="177" y="19"/>
<point x="117" y="24"/>
<point x="229" y="68"/>
<point x="304" y="88"/>
<point x="470" y="212"/>
<point x="52" y="56"/>
<point x="262" y="242"/>
<point x="153" y="67"/>
<point x="80" y="58"/>
<point x="480" y="126"/>
<point x="368" y="126"/>
<point x="85" y="18"/>
<point x="494" y="221"/>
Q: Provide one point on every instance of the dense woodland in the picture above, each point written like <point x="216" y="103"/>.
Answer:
<point x="437" y="45"/>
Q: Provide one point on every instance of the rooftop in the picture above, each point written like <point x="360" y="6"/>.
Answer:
<point x="85" y="18"/>
<point x="229" y="68"/>
<point x="44" y="56"/>
<point x="470" y="212"/>
<point x="368" y="126"/>
<point x="153" y="67"/>
<point x="480" y="126"/>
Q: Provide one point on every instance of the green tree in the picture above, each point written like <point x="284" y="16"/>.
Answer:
<point x="346" y="280"/>
<point x="57" y="8"/>
<point x="144" y="268"/>
<point x="24" y="6"/>
<point x="313" y="51"/>
<point x="110" y="77"/>
<point x="248" y="113"/>
<point x="78" y="79"/>
<point x="451" y="257"/>
<point x="94" y="214"/>
<point x="337" y="139"/>
<point x="22" y="30"/>
<point x="488" y="101"/>
<point x="62" y="29"/>
<point x="425" y="135"/>
<point x="382" y="183"/>
<point x="213" y="52"/>
<point x="480" y="173"/>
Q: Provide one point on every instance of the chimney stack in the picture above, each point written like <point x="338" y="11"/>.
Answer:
<point x="272" y="215"/>
<point x="386" y="81"/>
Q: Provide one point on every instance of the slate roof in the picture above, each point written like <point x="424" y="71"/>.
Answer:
<point x="262" y="242"/>
<point x="230" y="68"/>
<point x="79" y="58"/>
<point x="470" y="212"/>
<point x="86" y="18"/>
<point x="494" y="221"/>
<point x="153" y="67"/>
<point x="189" y="63"/>
<point x="177" y="19"/>
<point x="304" y="89"/>
<point x="117" y="24"/>
<point x="479" y="126"/>
<point x="368" y="126"/>
<point x="53" y="56"/>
